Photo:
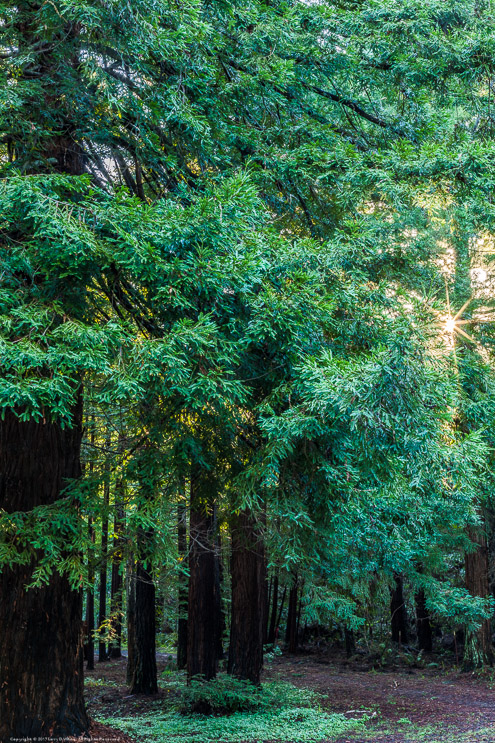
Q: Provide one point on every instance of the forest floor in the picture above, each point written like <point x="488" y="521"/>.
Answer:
<point x="402" y="705"/>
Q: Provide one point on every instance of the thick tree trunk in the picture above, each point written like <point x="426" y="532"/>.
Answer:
<point x="423" y="626"/>
<point x="41" y="658"/>
<point x="144" y="678"/>
<point x="202" y="616"/>
<point x="248" y="587"/>
<point x="398" y="613"/>
<point x="478" y="647"/>
<point x="182" y="598"/>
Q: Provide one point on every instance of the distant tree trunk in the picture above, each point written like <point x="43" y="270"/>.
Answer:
<point x="478" y="647"/>
<point x="131" y="619"/>
<point x="423" y="626"/>
<point x="202" y="615"/>
<point x="115" y="648"/>
<point x="144" y="678"/>
<point x="280" y="610"/>
<point x="89" y="648"/>
<point x="299" y="612"/>
<point x="268" y="603"/>
<point x="102" y="613"/>
<point x="182" y="597"/>
<point x="220" y="616"/>
<point x="291" y="628"/>
<point x="398" y="613"/>
<point x="350" y="642"/>
<point x="41" y="654"/>
<point x="90" y="601"/>
<point x="248" y="587"/>
<point x="117" y="582"/>
<point x="273" y="617"/>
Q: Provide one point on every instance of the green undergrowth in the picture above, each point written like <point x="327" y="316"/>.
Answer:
<point x="91" y="682"/>
<point x="226" y="695"/>
<point x="230" y="711"/>
<point x="296" y="725"/>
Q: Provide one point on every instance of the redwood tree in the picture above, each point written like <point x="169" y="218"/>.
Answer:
<point x="41" y="658"/>
<point x="41" y="661"/>
<point x="247" y="568"/>
<point x="202" y="627"/>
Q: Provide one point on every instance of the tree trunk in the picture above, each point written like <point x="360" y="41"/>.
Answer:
<point x="248" y="588"/>
<point x="273" y="618"/>
<point x="131" y="620"/>
<point x="41" y="658"/>
<point x="144" y="678"/>
<point x="202" y="615"/>
<point x="268" y="603"/>
<point x="182" y="597"/>
<point x="279" y="617"/>
<point x="90" y="601"/>
<point x="478" y="647"/>
<point x="350" y="642"/>
<point x="102" y="613"/>
<point x="398" y="613"/>
<point x="115" y="649"/>
<point x="423" y="626"/>
<point x="220" y="616"/>
<point x="291" y="629"/>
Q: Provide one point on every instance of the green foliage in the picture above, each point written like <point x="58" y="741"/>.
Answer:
<point x="238" y="711"/>
<point x="296" y="725"/>
<point x="249" y="276"/>
<point x="226" y="695"/>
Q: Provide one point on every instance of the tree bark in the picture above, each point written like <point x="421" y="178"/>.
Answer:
<point x="102" y="613"/>
<point x="423" y="626"/>
<point x="144" y="677"/>
<point x="248" y="588"/>
<point x="398" y="613"/>
<point x="273" y="618"/>
<point x="41" y="654"/>
<point x="350" y="642"/>
<point x="182" y="597"/>
<point x="291" y="628"/>
<point x="202" y="615"/>
<point x="131" y="620"/>
<point x="117" y="584"/>
<point x="220" y="616"/>
<point x="90" y="601"/>
<point x="478" y="647"/>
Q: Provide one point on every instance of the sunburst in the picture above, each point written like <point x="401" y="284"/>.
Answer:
<point x="452" y="322"/>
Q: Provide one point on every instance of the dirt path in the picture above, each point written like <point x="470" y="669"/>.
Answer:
<point x="413" y="705"/>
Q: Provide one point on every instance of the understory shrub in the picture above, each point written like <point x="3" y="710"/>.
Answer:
<point x="227" y="710"/>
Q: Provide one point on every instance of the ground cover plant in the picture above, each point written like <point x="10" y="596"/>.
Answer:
<point x="229" y="710"/>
